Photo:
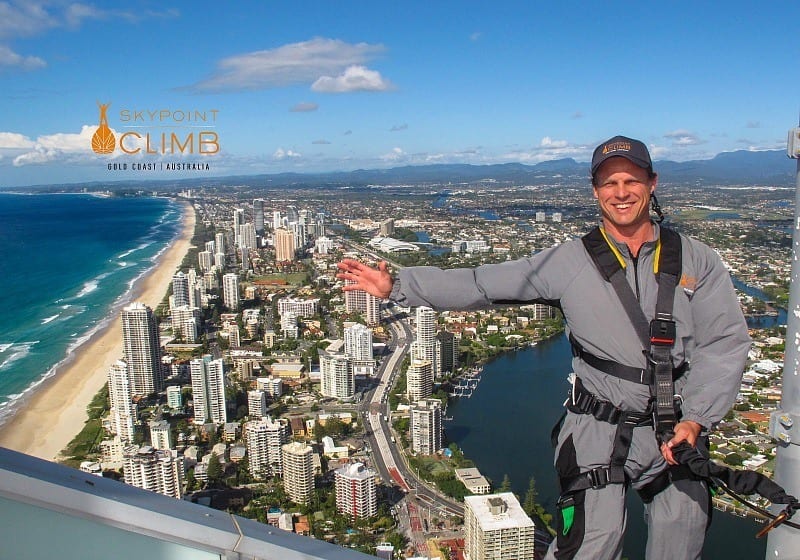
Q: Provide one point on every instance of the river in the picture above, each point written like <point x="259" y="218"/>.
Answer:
<point x="505" y="429"/>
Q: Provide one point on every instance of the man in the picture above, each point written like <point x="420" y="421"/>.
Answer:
<point x="616" y="432"/>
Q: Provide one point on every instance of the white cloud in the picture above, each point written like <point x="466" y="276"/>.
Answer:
<point x="475" y="36"/>
<point x="290" y="64"/>
<point x="13" y="140"/>
<point x="11" y="59"/>
<point x="397" y="154"/>
<point x="304" y="108"/>
<point x="682" y="137"/>
<point x="354" y="78"/>
<point x="280" y="153"/>
<point x="548" y="142"/>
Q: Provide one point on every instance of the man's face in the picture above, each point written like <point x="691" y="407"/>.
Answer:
<point x="623" y="191"/>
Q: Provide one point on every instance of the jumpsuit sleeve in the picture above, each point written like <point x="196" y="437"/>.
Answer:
<point x="721" y="343"/>
<point x="492" y="285"/>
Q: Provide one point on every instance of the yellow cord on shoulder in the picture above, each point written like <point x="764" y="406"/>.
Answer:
<point x="656" y="255"/>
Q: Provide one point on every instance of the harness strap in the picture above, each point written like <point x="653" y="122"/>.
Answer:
<point x="598" y="477"/>
<point x="628" y="373"/>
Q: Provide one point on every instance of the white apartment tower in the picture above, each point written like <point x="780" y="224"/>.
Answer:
<point x="496" y="528"/>
<point x="256" y="403"/>
<point x="142" y="349"/>
<point x="205" y="261"/>
<point x="426" y="426"/>
<point x="180" y="290"/>
<point x="123" y="411"/>
<point x="174" y="397"/>
<point x="219" y="243"/>
<point x="426" y="336"/>
<point x="355" y="491"/>
<point x="186" y="322"/>
<point x="338" y="379"/>
<point x="154" y="469"/>
<point x="358" y="342"/>
<point x="208" y="390"/>
<point x="160" y="435"/>
<point x="264" y="439"/>
<point x="230" y="291"/>
<point x="419" y="380"/>
<point x="247" y="236"/>
<point x="298" y="471"/>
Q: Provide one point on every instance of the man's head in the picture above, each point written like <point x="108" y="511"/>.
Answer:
<point x="624" y="183"/>
<point x="621" y="146"/>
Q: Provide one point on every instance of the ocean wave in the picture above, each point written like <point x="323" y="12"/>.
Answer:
<point x="88" y="288"/>
<point x="51" y="318"/>
<point x="137" y="248"/>
<point x="17" y="351"/>
<point x="4" y="347"/>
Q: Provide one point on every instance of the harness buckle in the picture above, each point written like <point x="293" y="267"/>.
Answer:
<point x="662" y="332"/>
<point x="599" y="477"/>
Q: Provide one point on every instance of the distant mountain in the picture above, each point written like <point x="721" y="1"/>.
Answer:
<point x="741" y="167"/>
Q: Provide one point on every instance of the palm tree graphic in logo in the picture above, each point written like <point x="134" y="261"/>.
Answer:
<point x="103" y="140"/>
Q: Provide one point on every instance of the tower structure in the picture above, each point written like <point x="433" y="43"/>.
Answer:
<point x="123" y="411"/>
<point x="496" y="528"/>
<point x="142" y="349"/>
<point x="298" y="471"/>
<point x="426" y="426"/>
<point x="230" y="291"/>
<point x="208" y="390"/>
<point x="264" y="439"/>
<point x="356" y="495"/>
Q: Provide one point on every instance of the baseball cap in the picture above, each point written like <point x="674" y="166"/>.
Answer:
<point x="622" y="146"/>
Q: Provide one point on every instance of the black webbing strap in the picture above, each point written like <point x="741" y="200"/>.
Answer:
<point x="633" y="374"/>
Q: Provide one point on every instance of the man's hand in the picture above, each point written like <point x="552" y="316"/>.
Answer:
<point x="375" y="281"/>
<point x="687" y="431"/>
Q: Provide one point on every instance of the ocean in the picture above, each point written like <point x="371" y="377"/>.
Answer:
<point x="68" y="263"/>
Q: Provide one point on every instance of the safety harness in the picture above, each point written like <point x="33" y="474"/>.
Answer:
<point x="658" y="338"/>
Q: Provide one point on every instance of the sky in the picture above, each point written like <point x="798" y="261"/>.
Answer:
<point x="269" y="87"/>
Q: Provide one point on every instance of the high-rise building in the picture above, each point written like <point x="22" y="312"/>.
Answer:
<point x="419" y="380"/>
<point x="336" y="372"/>
<point x="180" y="290"/>
<point x="230" y="291"/>
<point x="323" y="246"/>
<point x="153" y="469"/>
<point x="289" y="325"/>
<point x="174" y="397"/>
<point x="424" y="346"/>
<point x="258" y="215"/>
<point x="446" y="351"/>
<point x="372" y="315"/>
<point x="387" y="228"/>
<point x="298" y="471"/>
<point x="123" y="411"/>
<point x="208" y="390"/>
<point x="355" y="491"/>
<point x="359" y="301"/>
<point x="256" y="403"/>
<point x="264" y="439"/>
<point x="426" y="426"/>
<point x="186" y="322"/>
<point x="277" y="221"/>
<point x="219" y="261"/>
<point x="285" y="246"/>
<point x="496" y="528"/>
<point x="219" y="243"/>
<point x="248" y="236"/>
<point x="205" y="261"/>
<point x="543" y="312"/>
<point x="160" y="434"/>
<point x="358" y="342"/>
<point x="142" y="349"/>
<point x="238" y="220"/>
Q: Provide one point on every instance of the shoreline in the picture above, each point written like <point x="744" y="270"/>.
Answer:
<point x="56" y="412"/>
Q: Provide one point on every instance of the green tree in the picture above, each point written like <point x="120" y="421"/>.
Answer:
<point x="214" y="469"/>
<point x="505" y="486"/>
<point x="529" y="505"/>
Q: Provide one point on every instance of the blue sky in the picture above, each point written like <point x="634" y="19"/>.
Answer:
<point x="317" y="86"/>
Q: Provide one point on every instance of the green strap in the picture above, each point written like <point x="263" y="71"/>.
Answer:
<point x="568" y="517"/>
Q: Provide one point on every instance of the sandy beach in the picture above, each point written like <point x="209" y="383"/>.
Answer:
<point x="56" y="412"/>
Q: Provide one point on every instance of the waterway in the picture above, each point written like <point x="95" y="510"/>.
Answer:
<point x="505" y="429"/>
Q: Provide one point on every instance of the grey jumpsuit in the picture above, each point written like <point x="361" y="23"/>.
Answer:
<point x="711" y="336"/>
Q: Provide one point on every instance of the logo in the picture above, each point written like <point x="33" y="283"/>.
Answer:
<point x="103" y="140"/>
<point x="160" y="131"/>
<point x="617" y="147"/>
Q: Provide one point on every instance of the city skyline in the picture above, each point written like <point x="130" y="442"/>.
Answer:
<point x="313" y="87"/>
